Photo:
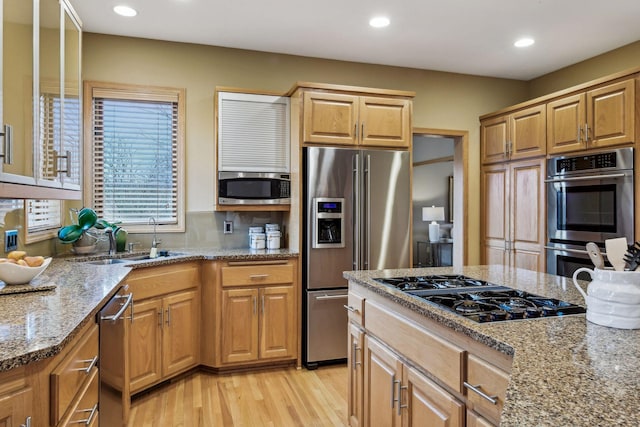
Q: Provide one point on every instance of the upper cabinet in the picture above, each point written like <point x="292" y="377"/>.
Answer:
<point x="348" y="116"/>
<point x="596" y="118"/>
<point x="18" y="86"/>
<point x="514" y="136"/>
<point x="41" y="144"/>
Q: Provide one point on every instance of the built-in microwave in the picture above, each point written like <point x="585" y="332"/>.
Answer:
<point x="254" y="188"/>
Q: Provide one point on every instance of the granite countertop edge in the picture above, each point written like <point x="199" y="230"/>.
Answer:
<point x="38" y="324"/>
<point x="565" y="370"/>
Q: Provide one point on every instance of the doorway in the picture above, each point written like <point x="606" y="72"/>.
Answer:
<point x="440" y="159"/>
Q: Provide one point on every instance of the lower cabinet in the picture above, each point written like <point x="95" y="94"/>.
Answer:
<point x="405" y="370"/>
<point x="164" y="336"/>
<point x="16" y="408"/>
<point x="257" y="313"/>
<point x="356" y="371"/>
<point x="398" y="395"/>
<point x="74" y="383"/>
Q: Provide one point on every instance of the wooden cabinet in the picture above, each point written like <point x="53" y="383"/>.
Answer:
<point x="397" y="394"/>
<point x="486" y="387"/>
<point x="16" y="408"/>
<point x="416" y="371"/>
<point x="73" y="378"/>
<point x="514" y="136"/>
<point x="256" y="313"/>
<point x="344" y="116"/>
<point x="164" y="337"/>
<point x="596" y="118"/>
<point x="513" y="214"/>
<point x="42" y="104"/>
<point x="356" y="372"/>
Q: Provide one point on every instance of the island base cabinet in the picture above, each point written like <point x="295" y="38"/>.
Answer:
<point x="397" y="394"/>
<point x="16" y="409"/>
<point x="475" y="420"/>
<point x="356" y="380"/>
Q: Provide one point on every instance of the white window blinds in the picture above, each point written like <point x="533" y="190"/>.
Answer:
<point x="253" y="132"/>
<point x="43" y="215"/>
<point x="135" y="158"/>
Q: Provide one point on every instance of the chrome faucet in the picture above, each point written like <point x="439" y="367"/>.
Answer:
<point x="154" y="242"/>
<point x="111" y="235"/>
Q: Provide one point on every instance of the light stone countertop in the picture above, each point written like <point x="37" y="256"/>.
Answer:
<point x="566" y="371"/>
<point x="37" y="325"/>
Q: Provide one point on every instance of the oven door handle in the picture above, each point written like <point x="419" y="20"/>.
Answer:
<point x="573" y="251"/>
<point x="586" y="178"/>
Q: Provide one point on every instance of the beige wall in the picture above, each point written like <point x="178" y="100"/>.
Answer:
<point x="444" y="100"/>
<point x="620" y="59"/>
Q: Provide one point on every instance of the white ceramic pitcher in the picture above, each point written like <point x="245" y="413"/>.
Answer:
<point x="612" y="297"/>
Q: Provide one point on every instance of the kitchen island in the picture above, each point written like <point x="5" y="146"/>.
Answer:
<point x="564" y="371"/>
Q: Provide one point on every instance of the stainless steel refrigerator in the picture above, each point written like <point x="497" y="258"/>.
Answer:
<point x="357" y="206"/>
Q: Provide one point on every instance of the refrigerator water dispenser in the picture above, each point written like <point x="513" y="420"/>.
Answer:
<point x="328" y="222"/>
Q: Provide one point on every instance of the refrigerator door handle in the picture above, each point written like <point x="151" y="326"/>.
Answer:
<point x="367" y="213"/>
<point x="356" y="212"/>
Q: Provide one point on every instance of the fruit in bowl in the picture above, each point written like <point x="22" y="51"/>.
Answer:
<point x="18" y="268"/>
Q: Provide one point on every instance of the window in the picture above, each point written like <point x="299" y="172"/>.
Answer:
<point x="135" y="139"/>
<point x="43" y="218"/>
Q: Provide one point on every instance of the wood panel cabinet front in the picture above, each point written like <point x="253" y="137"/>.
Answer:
<point x="356" y="371"/>
<point x="513" y="214"/>
<point x="514" y="136"/>
<point x="398" y="394"/>
<point x="600" y="117"/>
<point x="164" y="336"/>
<point x="256" y="313"/>
<point x="146" y="344"/>
<point x="180" y="334"/>
<point x="16" y="407"/>
<point x="346" y="119"/>
<point x="485" y="380"/>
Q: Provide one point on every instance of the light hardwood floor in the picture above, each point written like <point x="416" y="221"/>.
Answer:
<point x="278" y="397"/>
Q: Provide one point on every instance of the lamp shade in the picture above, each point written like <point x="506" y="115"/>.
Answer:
<point x="433" y="214"/>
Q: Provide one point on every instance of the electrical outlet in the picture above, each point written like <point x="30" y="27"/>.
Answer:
<point x="228" y="227"/>
<point x="10" y="240"/>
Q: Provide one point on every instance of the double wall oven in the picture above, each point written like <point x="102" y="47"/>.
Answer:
<point x="590" y="198"/>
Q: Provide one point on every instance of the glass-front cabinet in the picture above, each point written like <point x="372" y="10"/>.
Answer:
<point x="18" y="87"/>
<point x="41" y="115"/>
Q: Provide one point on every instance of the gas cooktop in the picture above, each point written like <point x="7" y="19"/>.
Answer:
<point x="480" y="301"/>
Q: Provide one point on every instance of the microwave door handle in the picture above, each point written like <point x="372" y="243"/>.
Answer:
<point x="587" y="178"/>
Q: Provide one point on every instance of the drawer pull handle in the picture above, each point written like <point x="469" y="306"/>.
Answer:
<point x="258" y="276"/>
<point x="476" y="388"/>
<point x="92" y="413"/>
<point x="272" y="262"/>
<point x="351" y="309"/>
<point x="91" y="362"/>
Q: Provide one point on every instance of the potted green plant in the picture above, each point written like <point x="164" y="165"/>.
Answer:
<point x="82" y="237"/>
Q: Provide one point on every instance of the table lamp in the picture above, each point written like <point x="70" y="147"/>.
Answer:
<point x="433" y="214"/>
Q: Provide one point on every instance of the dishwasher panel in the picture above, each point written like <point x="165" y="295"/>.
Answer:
<point x="327" y="326"/>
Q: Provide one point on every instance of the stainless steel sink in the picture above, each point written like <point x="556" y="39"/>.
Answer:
<point x="108" y="261"/>
<point x="129" y="259"/>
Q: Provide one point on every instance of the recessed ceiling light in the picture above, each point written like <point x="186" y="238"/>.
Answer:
<point x="524" y="42"/>
<point x="379" y="22"/>
<point x="123" y="10"/>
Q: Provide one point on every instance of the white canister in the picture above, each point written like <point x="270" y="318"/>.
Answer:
<point x="255" y="230"/>
<point x="273" y="239"/>
<point x="271" y="227"/>
<point x="257" y="240"/>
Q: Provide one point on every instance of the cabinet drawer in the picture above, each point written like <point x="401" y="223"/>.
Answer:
<point x="155" y="281"/>
<point x="439" y="357"/>
<point x="356" y="308"/>
<point x="85" y="410"/>
<point x="73" y="372"/>
<point x="258" y="274"/>
<point x="488" y="380"/>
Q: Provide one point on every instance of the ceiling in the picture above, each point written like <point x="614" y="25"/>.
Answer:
<point x="461" y="36"/>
